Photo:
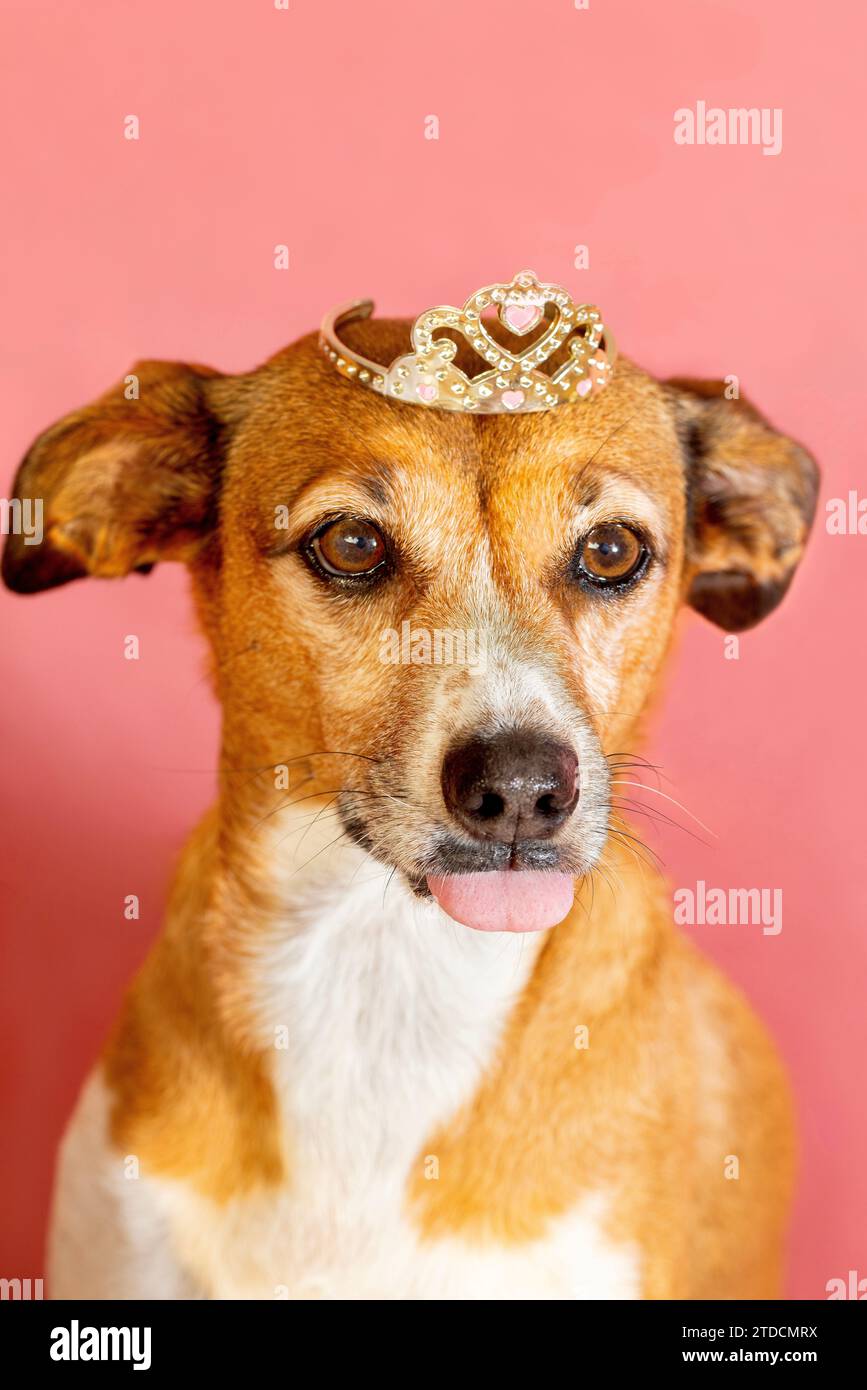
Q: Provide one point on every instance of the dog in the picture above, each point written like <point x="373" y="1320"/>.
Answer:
<point x="378" y="1051"/>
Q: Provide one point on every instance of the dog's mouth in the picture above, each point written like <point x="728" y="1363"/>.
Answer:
<point x="487" y="886"/>
<point x="501" y="887"/>
<point x="515" y="900"/>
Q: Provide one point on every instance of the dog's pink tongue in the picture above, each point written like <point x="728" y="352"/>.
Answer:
<point x="513" y="900"/>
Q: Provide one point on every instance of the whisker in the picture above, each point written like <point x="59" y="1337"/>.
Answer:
<point x="658" y="817"/>
<point x="330" y="845"/>
<point x="624" y="835"/>
<point x="326" y="807"/>
<point x="656" y="792"/>
<point x="388" y="884"/>
<point x="311" y="796"/>
<point x="624" y="762"/>
<point x="331" y="791"/>
<point x="603" y="874"/>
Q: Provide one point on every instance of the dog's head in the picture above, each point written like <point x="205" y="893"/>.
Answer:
<point x="452" y="623"/>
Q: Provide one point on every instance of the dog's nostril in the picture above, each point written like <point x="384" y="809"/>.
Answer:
<point x="511" y="786"/>
<point x="490" y="806"/>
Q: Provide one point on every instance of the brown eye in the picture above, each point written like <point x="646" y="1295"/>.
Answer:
<point x="611" y="554"/>
<point x="349" y="547"/>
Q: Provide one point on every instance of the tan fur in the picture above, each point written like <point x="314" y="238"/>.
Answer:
<point x="678" y="1074"/>
<point x="189" y="1101"/>
<point x="677" y="1077"/>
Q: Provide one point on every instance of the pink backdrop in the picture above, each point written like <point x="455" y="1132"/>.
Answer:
<point x="306" y="127"/>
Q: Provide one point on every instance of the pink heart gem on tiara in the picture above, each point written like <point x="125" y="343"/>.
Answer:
<point x="584" y="387"/>
<point x="512" y="399"/>
<point x="426" y="392"/>
<point x="521" y="317"/>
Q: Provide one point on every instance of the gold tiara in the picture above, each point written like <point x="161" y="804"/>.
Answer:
<point x="513" y="382"/>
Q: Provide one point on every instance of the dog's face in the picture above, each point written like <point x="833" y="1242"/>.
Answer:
<point x="449" y="624"/>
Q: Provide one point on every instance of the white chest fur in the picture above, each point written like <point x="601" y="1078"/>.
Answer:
<point x="383" y="1016"/>
<point x="390" y="1015"/>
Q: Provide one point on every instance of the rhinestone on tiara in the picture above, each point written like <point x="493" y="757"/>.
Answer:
<point x="513" y="383"/>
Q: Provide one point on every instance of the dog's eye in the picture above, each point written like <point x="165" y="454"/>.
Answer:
<point x="610" y="555"/>
<point x="348" y="547"/>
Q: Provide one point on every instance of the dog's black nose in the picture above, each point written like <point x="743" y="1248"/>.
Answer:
<point x="510" y="787"/>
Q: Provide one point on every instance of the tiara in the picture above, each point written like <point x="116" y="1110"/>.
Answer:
<point x="513" y="382"/>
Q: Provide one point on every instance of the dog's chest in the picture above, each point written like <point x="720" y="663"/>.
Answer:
<point x="385" y="1017"/>
<point x="384" y="1020"/>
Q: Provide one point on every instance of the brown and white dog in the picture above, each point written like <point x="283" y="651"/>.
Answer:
<point x="332" y="1083"/>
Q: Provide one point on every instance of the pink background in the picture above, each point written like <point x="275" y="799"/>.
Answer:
<point x="259" y="127"/>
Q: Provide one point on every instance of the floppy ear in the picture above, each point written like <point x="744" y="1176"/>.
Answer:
<point x="751" y="498"/>
<point x="122" y="483"/>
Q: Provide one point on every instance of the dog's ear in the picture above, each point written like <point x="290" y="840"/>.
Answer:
<point x="751" y="496"/>
<point x="124" y="482"/>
